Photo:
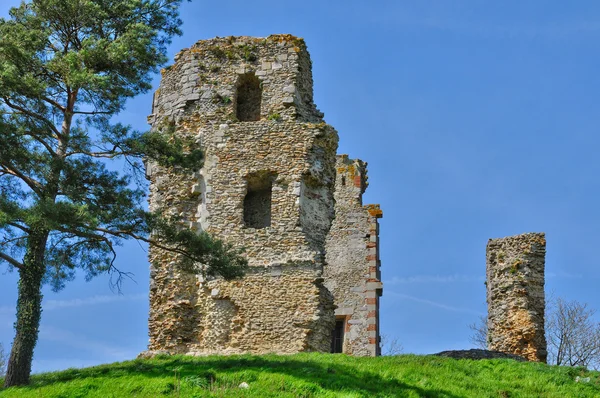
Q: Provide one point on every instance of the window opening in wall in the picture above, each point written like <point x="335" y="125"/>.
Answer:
<point x="343" y="180"/>
<point x="337" y="339"/>
<point x="257" y="202"/>
<point x="249" y="93"/>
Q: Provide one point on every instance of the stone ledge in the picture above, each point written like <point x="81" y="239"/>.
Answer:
<point x="374" y="210"/>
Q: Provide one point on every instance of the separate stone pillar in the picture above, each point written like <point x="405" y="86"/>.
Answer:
<point x="515" y="295"/>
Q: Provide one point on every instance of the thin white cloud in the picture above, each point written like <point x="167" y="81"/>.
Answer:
<point x="101" y="351"/>
<point x="50" y="305"/>
<point x="81" y="343"/>
<point x="433" y="279"/>
<point x="7" y="310"/>
<point x="57" y="304"/>
<point x="512" y="31"/>
<point x="457" y="21"/>
<point x="433" y="303"/>
<point x="50" y="365"/>
<point x="563" y="275"/>
<point x="457" y="278"/>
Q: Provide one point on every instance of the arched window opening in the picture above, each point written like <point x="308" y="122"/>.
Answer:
<point x="257" y="203"/>
<point x="249" y="93"/>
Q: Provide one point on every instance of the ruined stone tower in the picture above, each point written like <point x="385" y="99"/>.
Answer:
<point x="515" y="295"/>
<point x="353" y="242"/>
<point x="268" y="185"/>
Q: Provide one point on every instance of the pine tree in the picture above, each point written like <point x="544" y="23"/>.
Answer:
<point x="66" y="68"/>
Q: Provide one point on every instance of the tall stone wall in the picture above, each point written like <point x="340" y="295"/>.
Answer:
<point x="352" y="273"/>
<point x="515" y="295"/>
<point x="281" y="159"/>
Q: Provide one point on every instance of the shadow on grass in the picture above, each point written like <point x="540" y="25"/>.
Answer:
<point x="318" y="374"/>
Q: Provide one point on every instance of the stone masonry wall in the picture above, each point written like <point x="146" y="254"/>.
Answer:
<point x="515" y="295"/>
<point x="282" y="304"/>
<point x="352" y="273"/>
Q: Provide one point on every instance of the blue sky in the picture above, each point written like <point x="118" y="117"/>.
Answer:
<point x="478" y="120"/>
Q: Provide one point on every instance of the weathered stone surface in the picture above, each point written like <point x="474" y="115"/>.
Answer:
<point x="352" y="273"/>
<point x="515" y="295"/>
<point x="267" y="185"/>
<point x="479" y="354"/>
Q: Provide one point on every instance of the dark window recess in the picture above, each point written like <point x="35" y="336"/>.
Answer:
<point x="249" y="95"/>
<point x="337" y="339"/>
<point x="257" y="203"/>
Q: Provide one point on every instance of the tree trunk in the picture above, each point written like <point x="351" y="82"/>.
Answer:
<point x="29" y="310"/>
<point x="29" y="302"/>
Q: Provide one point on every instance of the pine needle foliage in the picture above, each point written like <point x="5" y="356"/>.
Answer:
<point x="67" y="67"/>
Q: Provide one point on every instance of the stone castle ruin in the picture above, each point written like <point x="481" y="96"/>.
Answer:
<point x="515" y="295"/>
<point x="271" y="183"/>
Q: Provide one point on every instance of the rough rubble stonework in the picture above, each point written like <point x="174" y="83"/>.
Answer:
<point x="267" y="185"/>
<point x="353" y="241"/>
<point x="515" y="295"/>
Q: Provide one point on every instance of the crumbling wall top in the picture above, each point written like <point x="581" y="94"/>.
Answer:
<point x="206" y="78"/>
<point x="351" y="176"/>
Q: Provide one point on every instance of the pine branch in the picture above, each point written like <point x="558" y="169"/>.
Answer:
<point x="19" y="226"/>
<point x="30" y="182"/>
<point x="11" y="261"/>
<point x="54" y="103"/>
<point x="90" y="237"/>
<point x="104" y="155"/>
<point x="31" y="114"/>
<point x="43" y="142"/>
<point x="92" y="113"/>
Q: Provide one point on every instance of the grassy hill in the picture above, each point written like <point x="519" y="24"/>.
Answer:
<point x="313" y="375"/>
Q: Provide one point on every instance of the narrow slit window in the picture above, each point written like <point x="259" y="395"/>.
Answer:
<point x="257" y="202"/>
<point x="337" y="337"/>
<point x="249" y="93"/>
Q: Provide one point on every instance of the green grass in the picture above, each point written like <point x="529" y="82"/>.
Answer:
<point x="312" y="375"/>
